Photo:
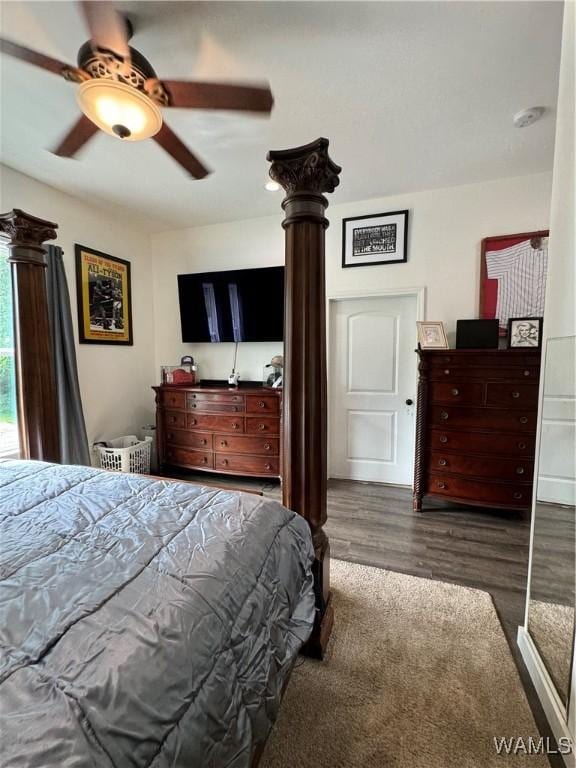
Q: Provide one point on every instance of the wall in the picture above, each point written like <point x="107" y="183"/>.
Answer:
<point x="446" y="227"/>
<point x="115" y="381"/>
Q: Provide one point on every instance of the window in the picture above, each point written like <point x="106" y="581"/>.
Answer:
<point x="8" y="420"/>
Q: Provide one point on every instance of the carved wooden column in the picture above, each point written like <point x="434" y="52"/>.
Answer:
<point x="306" y="173"/>
<point x="35" y="385"/>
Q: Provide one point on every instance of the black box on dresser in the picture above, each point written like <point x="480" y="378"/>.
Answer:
<point x="235" y="431"/>
<point x="476" y="426"/>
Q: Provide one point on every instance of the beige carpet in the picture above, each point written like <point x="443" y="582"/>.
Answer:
<point x="552" y="629"/>
<point x="418" y="675"/>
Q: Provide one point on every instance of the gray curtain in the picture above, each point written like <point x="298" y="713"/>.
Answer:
<point x="73" y="439"/>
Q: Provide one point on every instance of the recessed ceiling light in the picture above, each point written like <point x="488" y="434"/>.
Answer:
<point x="527" y="117"/>
<point x="272" y="186"/>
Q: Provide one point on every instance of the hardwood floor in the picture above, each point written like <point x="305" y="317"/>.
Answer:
<point x="375" y="525"/>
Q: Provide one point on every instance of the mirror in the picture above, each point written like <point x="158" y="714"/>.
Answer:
<point x="552" y="575"/>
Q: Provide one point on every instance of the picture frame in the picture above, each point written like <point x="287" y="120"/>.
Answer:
<point x="104" y="297"/>
<point x="431" y="334"/>
<point x="493" y="278"/>
<point x="525" y="333"/>
<point x="379" y="238"/>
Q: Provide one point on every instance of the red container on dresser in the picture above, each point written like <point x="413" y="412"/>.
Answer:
<point x="235" y="431"/>
<point x="476" y="426"/>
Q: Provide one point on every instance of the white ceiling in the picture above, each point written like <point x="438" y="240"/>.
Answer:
<point x="412" y="95"/>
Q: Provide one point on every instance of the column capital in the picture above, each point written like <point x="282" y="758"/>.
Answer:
<point x="26" y="233"/>
<point x="305" y="170"/>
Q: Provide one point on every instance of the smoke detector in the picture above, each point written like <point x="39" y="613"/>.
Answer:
<point x="527" y="117"/>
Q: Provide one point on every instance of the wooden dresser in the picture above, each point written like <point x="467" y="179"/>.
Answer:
<point x="219" y="429"/>
<point x="476" y="426"/>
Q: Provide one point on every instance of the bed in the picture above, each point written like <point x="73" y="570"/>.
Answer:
<point x="144" y="622"/>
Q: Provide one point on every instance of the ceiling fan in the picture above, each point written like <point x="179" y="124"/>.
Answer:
<point x="120" y="93"/>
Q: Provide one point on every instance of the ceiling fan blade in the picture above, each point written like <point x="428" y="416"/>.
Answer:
<point x="180" y="152"/>
<point x="34" y="57"/>
<point x="107" y="27"/>
<point x="184" y="93"/>
<point x="77" y="136"/>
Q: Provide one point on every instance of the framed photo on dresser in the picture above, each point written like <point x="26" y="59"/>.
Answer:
<point x="104" y="298"/>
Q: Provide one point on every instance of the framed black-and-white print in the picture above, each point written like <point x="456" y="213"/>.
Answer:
<point x="381" y="238"/>
<point x="524" y="333"/>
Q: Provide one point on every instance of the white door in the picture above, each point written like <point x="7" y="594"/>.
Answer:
<point x="373" y="388"/>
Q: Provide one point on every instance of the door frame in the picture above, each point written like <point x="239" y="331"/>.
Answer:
<point x="420" y="295"/>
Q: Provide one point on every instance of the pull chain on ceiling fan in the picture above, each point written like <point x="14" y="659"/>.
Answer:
<point x="119" y="92"/>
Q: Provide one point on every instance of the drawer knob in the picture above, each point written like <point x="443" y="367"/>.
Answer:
<point x="193" y="421"/>
<point x="444" y="415"/>
<point x="517" y="495"/>
<point x="442" y="462"/>
<point x="235" y="425"/>
<point x="441" y="485"/>
<point x="526" y="373"/>
<point x="204" y="459"/>
<point x="522" y="446"/>
<point x="203" y="441"/>
<point x="443" y="439"/>
<point x="261" y="427"/>
<point x="225" y="462"/>
<point x="223" y="443"/>
<point x="172" y="419"/>
<point x="268" y="466"/>
<point x="193" y="405"/>
<point x="515" y="395"/>
<point x="447" y="371"/>
<point x="455" y="392"/>
<point x="523" y="419"/>
<point x="267" y="446"/>
<point x="519" y="470"/>
<point x="170" y="436"/>
<point x="261" y="404"/>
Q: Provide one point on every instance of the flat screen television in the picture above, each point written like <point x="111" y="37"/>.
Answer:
<point x="237" y="305"/>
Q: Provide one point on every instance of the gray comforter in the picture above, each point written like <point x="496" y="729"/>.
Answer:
<point x="142" y="622"/>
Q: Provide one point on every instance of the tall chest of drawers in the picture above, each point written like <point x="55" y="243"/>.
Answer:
<point x="476" y="426"/>
<point x="234" y="431"/>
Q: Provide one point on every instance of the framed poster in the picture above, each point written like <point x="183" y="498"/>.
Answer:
<point x="104" y="298"/>
<point x="513" y="277"/>
<point x="381" y="238"/>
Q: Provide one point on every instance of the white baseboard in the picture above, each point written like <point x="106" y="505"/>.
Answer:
<point x="552" y="705"/>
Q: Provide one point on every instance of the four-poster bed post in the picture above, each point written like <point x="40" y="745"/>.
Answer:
<point x="306" y="173"/>
<point x="24" y="236"/>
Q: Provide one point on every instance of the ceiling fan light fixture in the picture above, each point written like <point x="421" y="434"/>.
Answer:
<point x="119" y="109"/>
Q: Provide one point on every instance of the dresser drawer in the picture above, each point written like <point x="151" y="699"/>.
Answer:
<point x="255" y="465"/>
<point x="264" y="404"/>
<point x="519" y="470"/>
<point x="173" y="399"/>
<point x="477" y="442"/>
<point x="180" y="456"/>
<point x="458" y="373"/>
<point x="482" y="418"/>
<point x="513" y="395"/>
<point x="515" y="358"/>
<point x="201" y="440"/>
<point x="458" y="488"/>
<point x="216" y="397"/>
<point x="259" y="446"/>
<point x="266" y="425"/>
<point x="174" y="419"/>
<point x="210" y="406"/>
<point x="207" y="422"/>
<point x="458" y="392"/>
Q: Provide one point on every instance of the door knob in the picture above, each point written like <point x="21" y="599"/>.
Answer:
<point x="409" y="401"/>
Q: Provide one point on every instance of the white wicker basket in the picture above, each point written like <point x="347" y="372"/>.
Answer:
<point x="127" y="454"/>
